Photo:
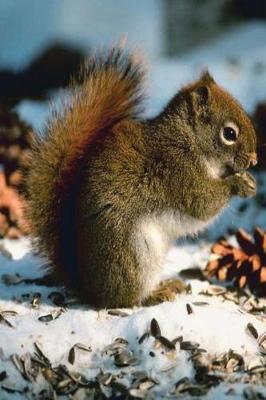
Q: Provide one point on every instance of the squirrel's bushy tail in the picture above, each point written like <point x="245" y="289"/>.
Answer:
<point x="111" y="90"/>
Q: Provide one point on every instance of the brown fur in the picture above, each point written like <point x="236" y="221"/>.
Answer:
<point x="99" y="169"/>
<point x="111" y="91"/>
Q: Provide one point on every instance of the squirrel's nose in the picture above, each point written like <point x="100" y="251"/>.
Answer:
<point x="253" y="160"/>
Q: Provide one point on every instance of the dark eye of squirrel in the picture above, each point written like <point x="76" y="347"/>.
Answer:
<point x="229" y="133"/>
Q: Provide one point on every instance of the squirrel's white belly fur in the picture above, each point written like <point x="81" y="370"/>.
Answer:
<point x="152" y="237"/>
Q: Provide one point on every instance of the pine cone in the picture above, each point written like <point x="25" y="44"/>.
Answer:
<point x="15" y="146"/>
<point x="15" y="149"/>
<point x="244" y="265"/>
<point x="12" y="222"/>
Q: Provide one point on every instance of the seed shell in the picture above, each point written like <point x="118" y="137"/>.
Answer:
<point x="189" y="309"/>
<point x="124" y="359"/>
<point x="143" y="337"/>
<point x="166" y="342"/>
<point x="118" y="313"/>
<point x="252" y="330"/>
<point x="71" y="355"/>
<point x="187" y="345"/>
<point x="178" y="339"/>
<point x="262" y="343"/>
<point x="41" y="355"/>
<point x="46" y="318"/>
<point x="3" y="375"/>
<point x="82" y="346"/>
<point x="155" y="328"/>
<point x="4" y="321"/>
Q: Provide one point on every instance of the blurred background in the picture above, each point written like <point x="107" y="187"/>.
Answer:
<point x="178" y="38"/>
<point x="43" y="43"/>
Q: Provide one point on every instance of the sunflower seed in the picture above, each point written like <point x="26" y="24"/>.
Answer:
<point x="168" y="367"/>
<point x="3" y="375"/>
<point x="256" y="366"/>
<point x="232" y="365"/>
<point x="17" y="362"/>
<point x="27" y="366"/>
<point x="105" y="379"/>
<point x="41" y="355"/>
<point x="252" y="330"/>
<point x="178" y="339"/>
<point x="4" y="321"/>
<point x="262" y="343"/>
<point x="119" y="387"/>
<point x="196" y="353"/>
<point x="124" y="358"/>
<point x="67" y="389"/>
<point x="155" y="328"/>
<point x="183" y="384"/>
<point x="231" y="297"/>
<point x="166" y="343"/>
<point x="189" y="309"/>
<point x="79" y="379"/>
<point x="82" y="346"/>
<point x="145" y="336"/>
<point x="46" y="318"/>
<point x="122" y="341"/>
<point x="114" y="348"/>
<point x="64" y="383"/>
<point x="187" y="345"/>
<point x="197" y="390"/>
<point x="118" y="313"/>
<point x="9" y="313"/>
<point x="137" y="393"/>
<point x="139" y="375"/>
<point x="215" y="290"/>
<point x="35" y="302"/>
<point x="71" y="355"/>
<point x="249" y="305"/>
<point x="146" y="385"/>
<point x="57" y="313"/>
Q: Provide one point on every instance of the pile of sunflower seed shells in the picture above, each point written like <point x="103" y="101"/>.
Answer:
<point x="120" y="372"/>
<point x="130" y="381"/>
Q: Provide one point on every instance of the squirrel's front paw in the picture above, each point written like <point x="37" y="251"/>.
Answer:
<point x="243" y="185"/>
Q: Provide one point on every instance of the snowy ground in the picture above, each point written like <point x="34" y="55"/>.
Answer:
<point x="211" y="343"/>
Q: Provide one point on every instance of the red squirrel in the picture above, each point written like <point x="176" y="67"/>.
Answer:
<point x="109" y="191"/>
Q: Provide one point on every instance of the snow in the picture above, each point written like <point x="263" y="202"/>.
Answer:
<point x="237" y="61"/>
<point x="217" y="326"/>
<point x="237" y="64"/>
<point x="27" y="26"/>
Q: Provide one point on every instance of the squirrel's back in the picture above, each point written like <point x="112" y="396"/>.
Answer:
<point x="111" y="91"/>
<point x="108" y="194"/>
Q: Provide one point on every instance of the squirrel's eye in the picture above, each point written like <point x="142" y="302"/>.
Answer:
<point x="229" y="133"/>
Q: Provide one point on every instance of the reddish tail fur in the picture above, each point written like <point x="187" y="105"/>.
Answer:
<point x="110" y="92"/>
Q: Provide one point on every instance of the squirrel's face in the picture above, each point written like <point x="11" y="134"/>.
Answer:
<point x="221" y="127"/>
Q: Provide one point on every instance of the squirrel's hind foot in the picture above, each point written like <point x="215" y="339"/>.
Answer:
<point x="166" y="291"/>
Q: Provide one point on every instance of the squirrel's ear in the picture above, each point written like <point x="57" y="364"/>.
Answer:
<point x="206" y="78"/>
<point x="200" y="97"/>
